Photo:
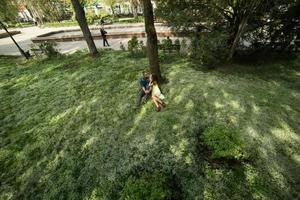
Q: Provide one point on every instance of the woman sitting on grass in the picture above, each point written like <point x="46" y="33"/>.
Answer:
<point x="157" y="96"/>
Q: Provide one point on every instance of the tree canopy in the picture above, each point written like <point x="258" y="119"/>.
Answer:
<point x="274" y="20"/>
<point x="8" y="10"/>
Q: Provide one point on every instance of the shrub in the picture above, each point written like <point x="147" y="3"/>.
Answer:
<point x="167" y="44"/>
<point x="49" y="49"/>
<point x="122" y="47"/>
<point x="90" y="17"/>
<point x="177" y="44"/>
<point x="133" y="45"/>
<point x="224" y="142"/>
<point x="142" y="48"/>
<point x="210" y="49"/>
<point x="136" y="48"/>
<point x="148" y="186"/>
<point x="184" y="47"/>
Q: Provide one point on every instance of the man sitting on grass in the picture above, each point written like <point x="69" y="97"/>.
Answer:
<point x="145" y="89"/>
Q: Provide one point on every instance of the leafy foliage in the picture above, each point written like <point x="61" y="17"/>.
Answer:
<point x="224" y="142"/>
<point x="274" y="24"/>
<point x="210" y="50"/>
<point x="177" y="44"/>
<point x="133" y="45"/>
<point x="282" y="25"/>
<point x="148" y="187"/>
<point x="49" y="49"/>
<point x="167" y="44"/>
<point x="8" y="11"/>
<point x="136" y="47"/>
<point x="122" y="47"/>
<point x="49" y="11"/>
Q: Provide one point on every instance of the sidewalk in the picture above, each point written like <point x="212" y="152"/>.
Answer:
<point x="7" y="47"/>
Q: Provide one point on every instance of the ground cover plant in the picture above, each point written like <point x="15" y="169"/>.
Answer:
<point x="69" y="129"/>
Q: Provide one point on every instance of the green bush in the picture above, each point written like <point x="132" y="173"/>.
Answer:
<point x="91" y="17"/>
<point x="133" y="45"/>
<point x="49" y="49"/>
<point x="224" y="142"/>
<point x="177" y="43"/>
<point x="122" y="47"/>
<point x="167" y="44"/>
<point x="148" y="186"/>
<point x="142" y="48"/>
<point x="136" y="47"/>
<point x="210" y="49"/>
<point x="183" y="47"/>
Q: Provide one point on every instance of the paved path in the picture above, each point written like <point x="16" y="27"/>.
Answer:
<point x="7" y="47"/>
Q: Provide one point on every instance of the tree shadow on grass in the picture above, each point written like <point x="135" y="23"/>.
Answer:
<point x="248" y="105"/>
<point x="266" y="58"/>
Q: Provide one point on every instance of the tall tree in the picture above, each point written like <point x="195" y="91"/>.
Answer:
<point x="152" y="46"/>
<point x="111" y="4"/>
<point x="134" y="6"/>
<point x="8" y="10"/>
<point x="81" y="19"/>
<point x="231" y="16"/>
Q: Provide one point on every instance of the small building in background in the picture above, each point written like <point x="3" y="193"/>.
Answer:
<point x="24" y="15"/>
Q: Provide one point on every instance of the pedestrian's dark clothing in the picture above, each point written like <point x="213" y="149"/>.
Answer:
<point x="103" y="34"/>
<point x="102" y="21"/>
<point x="143" y="84"/>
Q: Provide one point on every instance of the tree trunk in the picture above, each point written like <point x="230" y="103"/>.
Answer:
<point x="134" y="8"/>
<point x="80" y="17"/>
<point x="253" y="5"/>
<point x="135" y="11"/>
<point x="112" y="10"/>
<point x="151" y="39"/>
<point x="25" y="54"/>
<point x="237" y="37"/>
<point x="34" y="11"/>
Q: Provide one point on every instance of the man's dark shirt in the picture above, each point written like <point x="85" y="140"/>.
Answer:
<point x="103" y="32"/>
<point x="144" y="83"/>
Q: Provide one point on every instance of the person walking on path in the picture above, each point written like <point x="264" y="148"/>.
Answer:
<point x="103" y="34"/>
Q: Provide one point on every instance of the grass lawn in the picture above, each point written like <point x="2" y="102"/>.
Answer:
<point x="69" y="128"/>
<point x="61" y="24"/>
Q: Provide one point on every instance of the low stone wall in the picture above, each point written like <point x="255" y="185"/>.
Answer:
<point x="115" y="35"/>
<point x="4" y="35"/>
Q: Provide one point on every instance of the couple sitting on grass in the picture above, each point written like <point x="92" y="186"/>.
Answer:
<point x="149" y="87"/>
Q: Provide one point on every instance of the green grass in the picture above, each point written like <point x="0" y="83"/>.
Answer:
<point x="61" y="24"/>
<point x="21" y="25"/>
<point x="74" y="23"/>
<point x="129" y="20"/>
<point x="69" y="129"/>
